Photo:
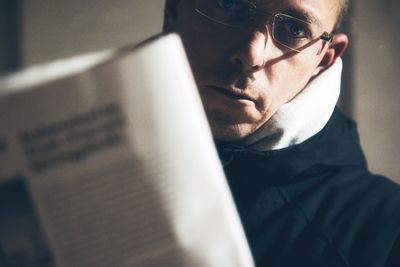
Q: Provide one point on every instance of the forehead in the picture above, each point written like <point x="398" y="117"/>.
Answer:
<point x="323" y="12"/>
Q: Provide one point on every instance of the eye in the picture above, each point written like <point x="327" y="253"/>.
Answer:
<point x="295" y="30"/>
<point x="292" y="32"/>
<point x="227" y="4"/>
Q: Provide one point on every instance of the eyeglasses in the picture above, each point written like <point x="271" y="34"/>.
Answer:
<point x="290" y="32"/>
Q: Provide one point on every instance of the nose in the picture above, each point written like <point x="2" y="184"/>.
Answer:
<point x="250" y="53"/>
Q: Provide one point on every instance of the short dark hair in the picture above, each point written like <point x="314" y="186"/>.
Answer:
<point x="342" y="12"/>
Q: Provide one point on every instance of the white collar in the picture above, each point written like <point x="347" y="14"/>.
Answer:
<point x="302" y="117"/>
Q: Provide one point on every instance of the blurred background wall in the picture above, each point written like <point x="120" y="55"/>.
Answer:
<point x="56" y="28"/>
<point x="52" y="29"/>
<point x="376" y="81"/>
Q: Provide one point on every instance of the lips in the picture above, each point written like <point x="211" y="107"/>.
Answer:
<point x="231" y="93"/>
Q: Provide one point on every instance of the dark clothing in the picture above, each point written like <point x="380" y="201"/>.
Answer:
<point x="315" y="204"/>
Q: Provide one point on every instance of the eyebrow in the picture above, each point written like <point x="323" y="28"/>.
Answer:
<point x="302" y="14"/>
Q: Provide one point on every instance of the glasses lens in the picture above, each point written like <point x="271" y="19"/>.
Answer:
<point x="296" y="34"/>
<point x="290" y="32"/>
<point x="227" y="12"/>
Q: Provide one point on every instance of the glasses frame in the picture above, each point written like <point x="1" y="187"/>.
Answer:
<point x="325" y="37"/>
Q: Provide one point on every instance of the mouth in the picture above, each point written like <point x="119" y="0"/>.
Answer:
<point x="231" y="93"/>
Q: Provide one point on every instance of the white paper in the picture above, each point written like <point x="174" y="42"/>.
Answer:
<point x="117" y="157"/>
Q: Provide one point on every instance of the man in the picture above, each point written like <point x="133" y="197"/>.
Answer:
<point x="268" y="73"/>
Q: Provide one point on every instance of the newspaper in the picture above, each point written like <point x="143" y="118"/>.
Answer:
<point x="107" y="159"/>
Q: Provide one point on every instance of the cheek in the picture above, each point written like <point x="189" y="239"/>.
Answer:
<point x="298" y="72"/>
<point x="206" y="54"/>
<point x="195" y="42"/>
<point x="207" y="43"/>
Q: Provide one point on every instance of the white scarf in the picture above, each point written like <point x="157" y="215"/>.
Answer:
<point x="302" y="117"/>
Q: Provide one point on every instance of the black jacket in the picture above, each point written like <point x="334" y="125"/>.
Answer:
<point x="315" y="204"/>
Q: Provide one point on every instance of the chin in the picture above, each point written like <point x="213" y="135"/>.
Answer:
<point x="231" y="128"/>
<point x="231" y="132"/>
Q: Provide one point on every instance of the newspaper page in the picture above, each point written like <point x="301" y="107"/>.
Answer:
<point x="108" y="160"/>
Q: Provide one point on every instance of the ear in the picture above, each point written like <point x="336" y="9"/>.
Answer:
<point x="336" y="49"/>
<point x="170" y="13"/>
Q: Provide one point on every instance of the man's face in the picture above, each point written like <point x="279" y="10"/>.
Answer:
<point x="243" y="76"/>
